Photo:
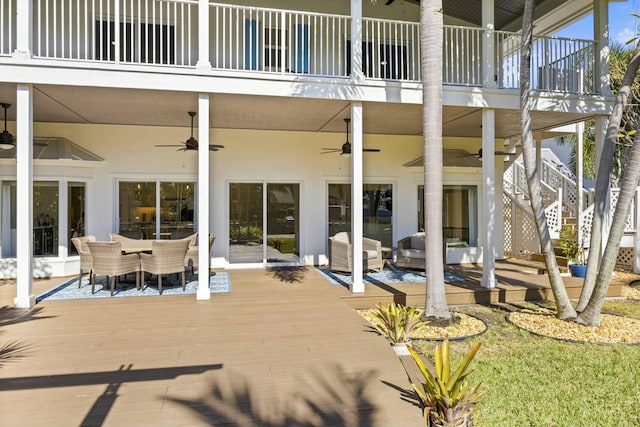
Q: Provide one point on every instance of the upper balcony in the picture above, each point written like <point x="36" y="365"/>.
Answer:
<point x="157" y="35"/>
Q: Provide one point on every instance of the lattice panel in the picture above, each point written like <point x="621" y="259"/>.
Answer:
<point x="626" y="257"/>
<point x="526" y="241"/>
<point x="629" y="226"/>
<point x="508" y="225"/>
<point x="553" y="220"/>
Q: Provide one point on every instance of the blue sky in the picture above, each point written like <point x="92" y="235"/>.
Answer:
<point x="622" y="26"/>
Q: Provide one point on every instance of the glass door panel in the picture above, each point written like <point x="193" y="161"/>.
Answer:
<point x="377" y="211"/>
<point x="176" y="209"/>
<point x="45" y="214"/>
<point x="246" y="223"/>
<point x="137" y="209"/>
<point x="75" y="213"/>
<point x="283" y="215"/>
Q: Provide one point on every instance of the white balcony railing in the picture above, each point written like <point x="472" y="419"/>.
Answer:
<point x="242" y="38"/>
<point x="7" y="27"/>
<point x="279" y="41"/>
<point x="557" y="64"/>
<point x="122" y="31"/>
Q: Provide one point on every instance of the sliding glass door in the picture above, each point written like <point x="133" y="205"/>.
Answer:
<point x="377" y="211"/>
<point x="264" y="223"/>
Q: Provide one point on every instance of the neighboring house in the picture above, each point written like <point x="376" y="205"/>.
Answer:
<point x="99" y="88"/>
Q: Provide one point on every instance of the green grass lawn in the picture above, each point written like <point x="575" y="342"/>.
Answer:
<point x="535" y="381"/>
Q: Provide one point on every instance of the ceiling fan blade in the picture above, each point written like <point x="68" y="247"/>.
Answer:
<point x="215" y="146"/>
<point x="169" y="145"/>
<point x="330" y="150"/>
<point x="371" y="150"/>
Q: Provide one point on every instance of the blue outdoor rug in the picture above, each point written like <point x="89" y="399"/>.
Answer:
<point x="218" y="283"/>
<point x="384" y="277"/>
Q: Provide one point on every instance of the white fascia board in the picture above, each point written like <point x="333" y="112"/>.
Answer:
<point x="510" y="99"/>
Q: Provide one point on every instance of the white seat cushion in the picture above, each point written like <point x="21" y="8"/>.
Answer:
<point x="369" y="254"/>
<point x="411" y="253"/>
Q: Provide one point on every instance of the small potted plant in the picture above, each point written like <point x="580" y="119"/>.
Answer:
<point x="573" y="250"/>
<point x="445" y="397"/>
<point x="397" y="322"/>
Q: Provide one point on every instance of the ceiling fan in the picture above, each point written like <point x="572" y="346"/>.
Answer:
<point x="191" y="143"/>
<point x="8" y="141"/>
<point x="479" y="154"/>
<point x="345" y="150"/>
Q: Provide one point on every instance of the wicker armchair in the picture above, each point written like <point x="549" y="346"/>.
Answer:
<point x="86" y="262"/>
<point x="410" y="253"/>
<point x="109" y="261"/>
<point x="191" y="258"/>
<point x="167" y="257"/>
<point x="340" y="258"/>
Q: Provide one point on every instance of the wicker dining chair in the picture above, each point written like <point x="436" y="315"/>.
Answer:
<point x="109" y="261"/>
<point x="167" y="257"/>
<point x="191" y="259"/>
<point x="86" y="261"/>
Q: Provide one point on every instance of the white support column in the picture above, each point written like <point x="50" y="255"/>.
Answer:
<point x="488" y="44"/>
<point x="24" y="197"/>
<point x="204" y="259"/>
<point x="356" y="40"/>
<point x="24" y="35"/>
<point x="488" y="199"/>
<point x="600" y="132"/>
<point x="499" y="205"/>
<point x="579" y="180"/>
<point x="601" y="52"/>
<point x="357" y="285"/>
<point x="204" y="62"/>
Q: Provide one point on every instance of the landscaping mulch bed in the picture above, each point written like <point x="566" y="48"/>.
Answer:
<point x="460" y="326"/>
<point x="613" y="329"/>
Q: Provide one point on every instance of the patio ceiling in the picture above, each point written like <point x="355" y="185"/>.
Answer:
<point x="508" y="13"/>
<point x="88" y="105"/>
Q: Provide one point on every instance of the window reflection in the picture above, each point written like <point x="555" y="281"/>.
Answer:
<point x="377" y="211"/>
<point x="138" y="214"/>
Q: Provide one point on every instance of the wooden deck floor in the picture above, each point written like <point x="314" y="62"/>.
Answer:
<point x="283" y="347"/>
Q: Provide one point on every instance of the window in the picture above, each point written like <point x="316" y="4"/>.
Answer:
<point x="381" y="61"/>
<point x="377" y="211"/>
<point x="276" y="49"/>
<point x="273" y="49"/>
<point x="75" y="213"/>
<point x="139" y="42"/>
<point x="142" y="214"/>
<point x="459" y="214"/>
<point x="46" y="217"/>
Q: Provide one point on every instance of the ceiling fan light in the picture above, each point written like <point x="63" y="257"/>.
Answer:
<point x="7" y="141"/>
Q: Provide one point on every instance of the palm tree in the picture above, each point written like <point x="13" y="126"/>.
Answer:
<point x="595" y="288"/>
<point x="431" y="36"/>
<point x="564" y="308"/>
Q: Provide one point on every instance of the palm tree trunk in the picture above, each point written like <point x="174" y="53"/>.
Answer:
<point x="431" y="35"/>
<point x="590" y="305"/>
<point x="591" y="313"/>
<point x="564" y="308"/>
<point x="604" y="175"/>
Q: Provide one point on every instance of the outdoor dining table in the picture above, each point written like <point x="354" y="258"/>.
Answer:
<point x="140" y="246"/>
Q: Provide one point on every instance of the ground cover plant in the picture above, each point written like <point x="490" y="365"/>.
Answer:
<point x="532" y="380"/>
